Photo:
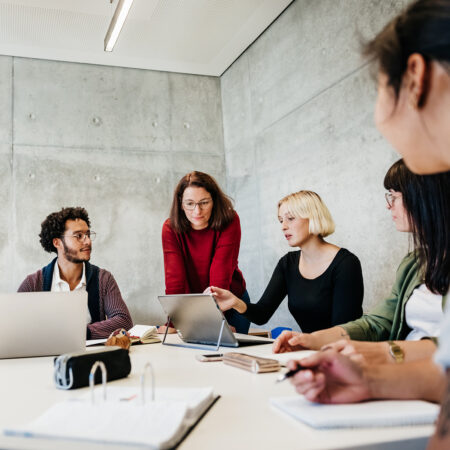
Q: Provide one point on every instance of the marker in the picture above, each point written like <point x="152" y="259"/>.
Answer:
<point x="290" y="373"/>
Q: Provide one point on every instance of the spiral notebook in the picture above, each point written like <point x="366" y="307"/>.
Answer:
<point x="380" y="413"/>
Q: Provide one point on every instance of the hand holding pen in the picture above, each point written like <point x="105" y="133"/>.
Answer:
<point x="290" y="373"/>
<point x="297" y="368"/>
<point x="330" y="377"/>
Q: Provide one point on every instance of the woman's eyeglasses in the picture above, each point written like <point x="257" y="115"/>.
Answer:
<point x="190" y="205"/>
<point x="390" y="198"/>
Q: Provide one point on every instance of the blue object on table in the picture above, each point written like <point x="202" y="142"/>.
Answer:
<point x="277" y="331"/>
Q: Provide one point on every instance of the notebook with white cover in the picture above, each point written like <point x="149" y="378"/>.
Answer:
<point x="380" y="413"/>
<point x="122" y="419"/>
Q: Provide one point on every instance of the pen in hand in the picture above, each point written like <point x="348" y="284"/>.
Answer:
<point x="290" y="373"/>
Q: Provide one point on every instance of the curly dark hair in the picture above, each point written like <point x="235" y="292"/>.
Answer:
<point x="54" y="225"/>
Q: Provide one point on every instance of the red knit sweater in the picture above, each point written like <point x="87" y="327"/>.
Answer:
<point x="201" y="258"/>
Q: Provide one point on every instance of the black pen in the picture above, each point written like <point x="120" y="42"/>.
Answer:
<point x="290" y="373"/>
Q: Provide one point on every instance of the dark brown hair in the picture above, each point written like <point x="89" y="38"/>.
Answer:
<point x="54" y="225"/>
<point x="427" y="203"/>
<point x="222" y="213"/>
<point x="424" y="27"/>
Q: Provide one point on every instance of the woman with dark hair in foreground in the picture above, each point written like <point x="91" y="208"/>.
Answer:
<point x="413" y="113"/>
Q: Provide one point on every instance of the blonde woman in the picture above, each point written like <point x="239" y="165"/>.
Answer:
<point x="323" y="282"/>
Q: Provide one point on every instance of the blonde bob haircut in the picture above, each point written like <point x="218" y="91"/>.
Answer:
<point x="309" y="205"/>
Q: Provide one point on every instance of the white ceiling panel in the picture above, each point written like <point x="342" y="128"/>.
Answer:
<point x="188" y="36"/>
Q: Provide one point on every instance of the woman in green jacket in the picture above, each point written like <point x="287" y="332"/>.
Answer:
<point x="412" y="313"/>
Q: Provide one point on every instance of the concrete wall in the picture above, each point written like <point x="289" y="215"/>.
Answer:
<point x="298" y="114"/>
<point x="113" y="140"/>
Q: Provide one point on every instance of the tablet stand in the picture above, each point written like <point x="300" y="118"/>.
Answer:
<point x="201" y="347"/>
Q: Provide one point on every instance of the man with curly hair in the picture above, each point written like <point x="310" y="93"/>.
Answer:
<point x="67" y="233"/>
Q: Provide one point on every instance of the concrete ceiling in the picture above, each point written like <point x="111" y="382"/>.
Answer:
<point x="189" y="36"/>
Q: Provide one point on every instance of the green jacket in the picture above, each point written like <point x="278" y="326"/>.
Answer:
<point x="387" y="320"/>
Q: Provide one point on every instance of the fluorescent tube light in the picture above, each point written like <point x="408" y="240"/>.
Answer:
<point x="116" y="24"/>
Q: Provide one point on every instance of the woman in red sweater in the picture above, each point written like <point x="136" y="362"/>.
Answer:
<point x="201" y="242"/>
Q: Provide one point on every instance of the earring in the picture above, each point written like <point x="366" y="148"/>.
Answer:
<point x="414" y="101"/>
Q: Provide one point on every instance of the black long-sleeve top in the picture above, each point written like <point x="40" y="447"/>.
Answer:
<point x="334" y="297"/>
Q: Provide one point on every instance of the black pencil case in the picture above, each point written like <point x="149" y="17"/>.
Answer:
<point x="71" y="370"/>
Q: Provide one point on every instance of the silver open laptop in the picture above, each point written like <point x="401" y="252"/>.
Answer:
<point x="42" y="323"/>
<point x="199" y="320"/>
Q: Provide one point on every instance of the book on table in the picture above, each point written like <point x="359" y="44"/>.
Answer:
<point x="139" y="334"/>
<point x="282" y="358"/>
<point x="379" y="413"/>
<point x="144" y="334"/>
<point x="254" y="364"/>
<point x="124" y="418"/>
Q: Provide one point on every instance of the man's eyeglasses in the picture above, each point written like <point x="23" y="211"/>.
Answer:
<point x="390" y="198"/>
<point x="81" y="237"/>
<point x="190" y="206"/>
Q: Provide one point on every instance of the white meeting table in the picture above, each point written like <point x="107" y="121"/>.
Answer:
<point x="241" y="419"/>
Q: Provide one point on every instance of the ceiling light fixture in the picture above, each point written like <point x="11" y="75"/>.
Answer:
<point x="116" y="24"/>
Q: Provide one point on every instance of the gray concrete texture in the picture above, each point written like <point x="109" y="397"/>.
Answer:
<point x="113" y="140"/>
<point x="298" y="114"/>
<point x="293" y="112"/>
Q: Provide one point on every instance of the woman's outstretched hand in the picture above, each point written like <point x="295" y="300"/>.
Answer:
<point x="224" y="298"/>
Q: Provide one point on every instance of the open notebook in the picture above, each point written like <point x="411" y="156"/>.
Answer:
<point x="123" y="419"/>
<point x="144" y="334"/>
<point x="140" y="334"/>
<point x="378" y="413"/>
